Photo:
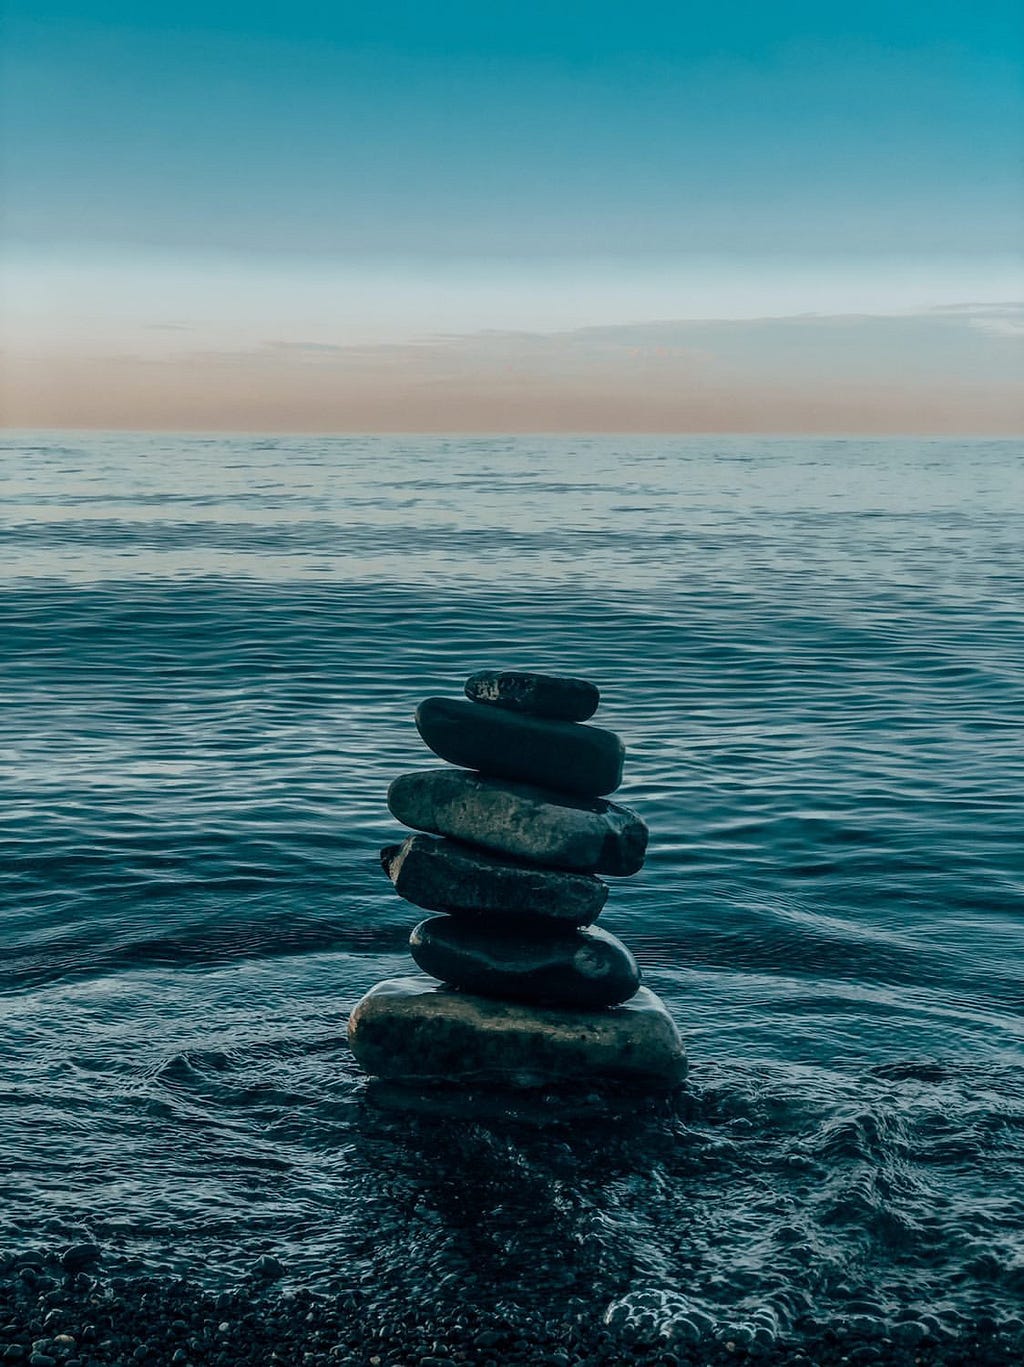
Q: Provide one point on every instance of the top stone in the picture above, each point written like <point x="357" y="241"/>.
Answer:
<point x="542" y="695"/>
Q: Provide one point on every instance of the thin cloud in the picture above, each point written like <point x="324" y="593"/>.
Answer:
<point x="999" y="327"/>
<point x="936" y="371"/>
<point x="308" y="348"/>
<point x="981" y="309"/>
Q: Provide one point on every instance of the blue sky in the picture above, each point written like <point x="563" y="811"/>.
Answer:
<point x="516" y="128"/>
<point x="430" y="169"/>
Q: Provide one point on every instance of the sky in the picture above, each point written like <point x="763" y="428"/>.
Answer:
<point x="569" y="215"/>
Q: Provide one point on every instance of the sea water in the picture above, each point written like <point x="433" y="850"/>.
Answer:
<point x="210" y="652"/>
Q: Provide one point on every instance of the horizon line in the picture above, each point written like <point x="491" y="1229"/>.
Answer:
<point x="505" y="434"/>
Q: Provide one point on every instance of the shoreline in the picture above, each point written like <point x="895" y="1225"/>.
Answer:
<point x="51" y="1317"/>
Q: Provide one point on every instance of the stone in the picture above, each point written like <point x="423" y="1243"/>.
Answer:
<point x="442" y="875"/>
<point x="521" y="820"/>
<point x="413" y="1030"/>
<point x="267" y="1266"/>
<point x="556" y="967"/>
<point x="543" y="695"/>
<point x="562" y="755"/>
<point x="80" y="1256"/>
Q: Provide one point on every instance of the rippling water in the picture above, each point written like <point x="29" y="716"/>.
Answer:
<point x="814" y="651"/>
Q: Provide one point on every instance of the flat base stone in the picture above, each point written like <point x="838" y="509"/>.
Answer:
<point x="412" y="1030"/>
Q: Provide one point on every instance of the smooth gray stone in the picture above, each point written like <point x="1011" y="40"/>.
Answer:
<point x="412" y="1030"/>
<point x="562" y="755"/>
<point x="557" y="968"/>
<point x="442" y="875"/>
<point x="544" y="695"/>
<point x="522" y="821"/>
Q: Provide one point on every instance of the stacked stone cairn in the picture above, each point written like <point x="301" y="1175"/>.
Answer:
<point x="519" y="988"/>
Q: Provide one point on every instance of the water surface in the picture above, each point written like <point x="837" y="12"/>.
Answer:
<point x="814" y="651"/>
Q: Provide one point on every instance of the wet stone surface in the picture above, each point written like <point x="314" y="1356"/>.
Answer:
<point x="443" y="875"/>
<point x="585" y="968"/>
<point x="565" y="756"/>
<point x="543" y="695"/>
<point x="522" y="821"/>
<point x="410" y="1029"/>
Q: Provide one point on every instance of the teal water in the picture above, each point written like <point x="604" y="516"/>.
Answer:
<point x="814" y="650"/>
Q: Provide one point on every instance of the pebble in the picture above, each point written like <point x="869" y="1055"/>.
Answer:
<point x="267" y="1266"/>
<point x="76" y="1257"/>
<point x="542" y="695"/>
<point x="579" y="968"/>
<point x="910" y="1333"/>
<point x="521" y="821"/>
<point x="564" y="756"/>
<point x="442" y="875"/>
<point x="412" y="1030"/>
<point x="489" y="1338"/>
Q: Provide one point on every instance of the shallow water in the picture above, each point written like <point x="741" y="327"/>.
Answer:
<point x="814" y="651"/>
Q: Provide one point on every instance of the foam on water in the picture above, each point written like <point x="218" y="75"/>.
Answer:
<point x="814" y="651"/>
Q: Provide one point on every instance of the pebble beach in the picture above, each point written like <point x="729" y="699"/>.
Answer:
<point x="53" y="1319"/>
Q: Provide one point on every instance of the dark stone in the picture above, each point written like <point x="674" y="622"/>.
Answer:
<point x="559" y="968"/>
<point x="411" y="1030"/>
<point x="267" y="1266"/>
<point x="561" y="755"/>
<point x="78" y="1256"/>
<point x="910" y="1333"/>
<point x="489" y="1338"/>
<point x="543" y="695"/>
<point x="442" y="875"/>
<point x="522" y="821"/>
